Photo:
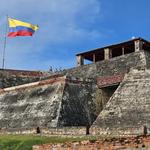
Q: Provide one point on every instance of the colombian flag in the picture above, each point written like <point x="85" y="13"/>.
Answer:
<point x="20" y="28"/>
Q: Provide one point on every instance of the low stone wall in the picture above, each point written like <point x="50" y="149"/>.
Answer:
<point x="18" y="131"/>
<point x="77" y="131"/>
<point x="117" y="131"/>
<point x="21" y="72"/>
<point x="47" y="131"/>
<point x="65" y="131"/>
<point x="9" y="78"/>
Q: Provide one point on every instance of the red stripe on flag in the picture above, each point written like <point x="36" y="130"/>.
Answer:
<point x="20" y="33"/>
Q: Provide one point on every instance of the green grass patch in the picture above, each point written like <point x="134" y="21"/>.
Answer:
<point x="25" y="142"/>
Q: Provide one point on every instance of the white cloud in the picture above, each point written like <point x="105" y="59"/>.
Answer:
<point x="60" y="21"/>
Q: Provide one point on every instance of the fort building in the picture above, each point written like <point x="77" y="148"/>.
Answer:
<point x="108" y="52"/>
<point x="110" y="94"/>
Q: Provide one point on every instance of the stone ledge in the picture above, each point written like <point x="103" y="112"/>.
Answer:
<point x="47" y="131"/>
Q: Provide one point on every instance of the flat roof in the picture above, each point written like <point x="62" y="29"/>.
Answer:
<point x="115" y="46"/>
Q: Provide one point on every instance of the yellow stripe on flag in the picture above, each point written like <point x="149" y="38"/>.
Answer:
<point x="14" y="23"/>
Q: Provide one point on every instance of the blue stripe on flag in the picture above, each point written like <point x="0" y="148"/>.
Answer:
<point x="20" y="28"/>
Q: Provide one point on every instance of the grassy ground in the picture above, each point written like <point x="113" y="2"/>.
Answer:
<point x="25" y="142"/>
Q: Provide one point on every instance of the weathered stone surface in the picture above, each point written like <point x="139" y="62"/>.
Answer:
<point x="147" y="57"/>
<point x="130" y="143"/>
<point x="73" y="130"/>
<point x="116" y="65"/>
<point x="31" y="107"/>
<point x="50" y="103"/>
<point x="129" y="106"/>
<point x="9" y="78"/>
<point x="78" y="105"/>
<point x="76" y="101"/>
<point x="109" y="80"/>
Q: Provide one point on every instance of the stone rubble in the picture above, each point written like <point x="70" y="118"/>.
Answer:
<point x="128" y="143"/>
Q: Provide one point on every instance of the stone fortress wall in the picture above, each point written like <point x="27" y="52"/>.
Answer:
<point x="76" y="96"/>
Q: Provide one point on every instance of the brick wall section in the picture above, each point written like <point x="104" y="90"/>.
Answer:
<point x="109" y="80"/>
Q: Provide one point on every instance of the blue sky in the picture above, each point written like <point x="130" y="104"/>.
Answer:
<point x="68" y="27"/>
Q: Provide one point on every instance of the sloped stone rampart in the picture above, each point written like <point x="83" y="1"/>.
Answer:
<point x="48" y="103"/>
<point x="31" y="106"/>
<point x="129" y="106"/>
<point x="78" y="104"/>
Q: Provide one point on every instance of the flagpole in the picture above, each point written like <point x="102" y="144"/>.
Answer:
<point x="5" y="40"/>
